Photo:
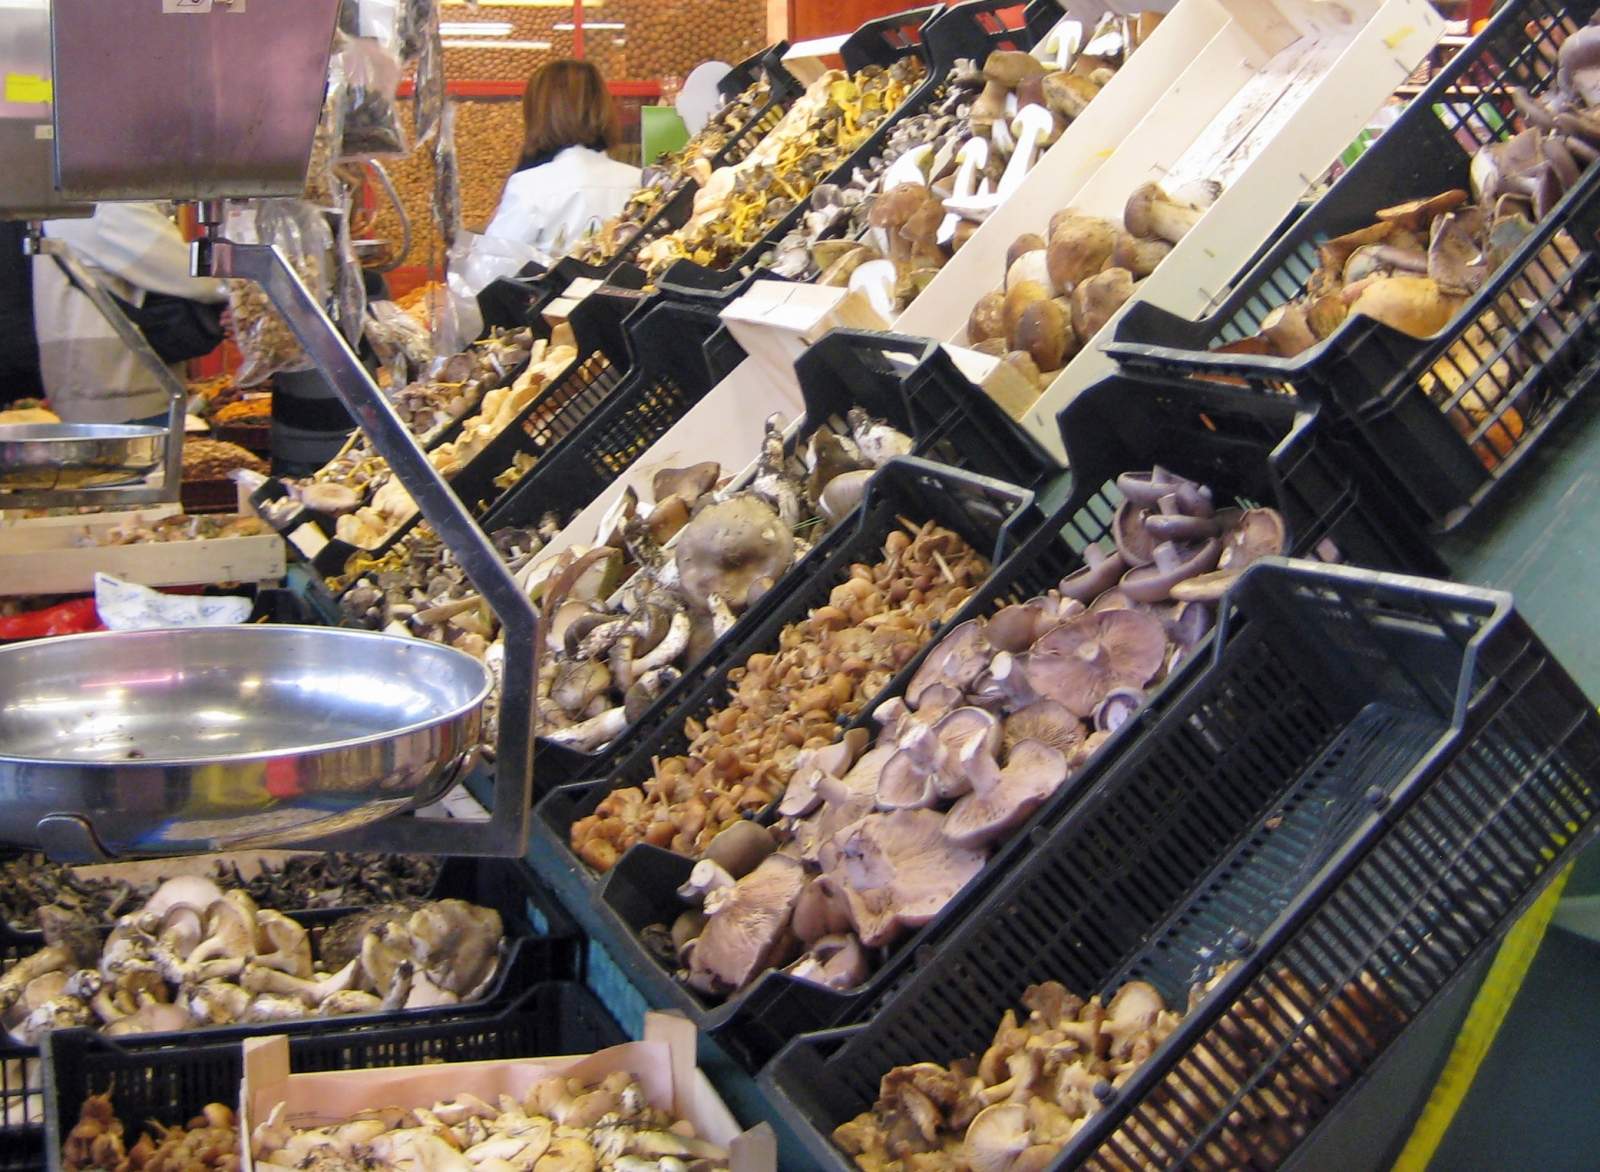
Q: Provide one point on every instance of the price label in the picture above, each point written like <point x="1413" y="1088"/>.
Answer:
<point x="27" y="87"/>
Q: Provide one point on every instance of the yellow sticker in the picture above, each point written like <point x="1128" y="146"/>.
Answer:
<point x="27" y="87"/>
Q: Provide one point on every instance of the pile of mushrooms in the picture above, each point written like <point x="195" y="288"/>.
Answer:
<point x="1002" y="712"/>
<point x="666" y="579"/>
<point x="824" y="670"/>
<point x="738" y="205"/>
<point x="207" y="1143"/>
<point x="195" y="955"/>
<point x="945" y="170"/>
<point x="663" y="179"/>
<point x="1014" y="1108"/>
<point x="432" y="403"/>
<point x="560" y="1125"/>
<point x="1061" y="290"/>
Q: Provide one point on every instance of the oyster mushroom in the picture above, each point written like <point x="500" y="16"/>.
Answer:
<point x="1003" y="797"/>
<point x="897" y="870"/>
<point x="994" y="1139"/>
<point x="1084" y="660"/>
<point x="456" y="945"/>
<point x="259" y="979"/>
<point x="748" y="926"/>
<point x="230" y="932"/>
<point x="729" y="548"/>
<point x="194" y="890"/>
<point x="282" y="944"/>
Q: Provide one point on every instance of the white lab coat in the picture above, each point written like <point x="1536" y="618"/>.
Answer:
<point x="88" y="374"/>
<point x="552" y="206"/>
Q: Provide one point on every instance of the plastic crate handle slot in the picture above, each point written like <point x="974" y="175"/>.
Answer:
<point x="997" y="492"/>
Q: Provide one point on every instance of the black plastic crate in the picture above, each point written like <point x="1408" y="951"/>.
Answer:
<point x="552" y="283"/>
<point x="1507" y="386"/>
<point x="783" y="89"/>
<point x="172" y="1084"/>
<point x="543" y="944"/>
<point x="1263" y="449"/>
<point x="599" y="325"/>
<point x="1353" y="797"/>
<point x="914" y="384"/>
<point x="1028" y="559"/>
<point x="667" y="377"/>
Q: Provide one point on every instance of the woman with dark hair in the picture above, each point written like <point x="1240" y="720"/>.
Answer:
<point x="565" y="184"/>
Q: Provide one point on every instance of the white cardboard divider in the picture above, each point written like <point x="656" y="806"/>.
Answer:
<point x="1266" y="116"/>
<point x="776" y="321"/>
<point x="942" y="308"/>
<point x="726" y="426"/>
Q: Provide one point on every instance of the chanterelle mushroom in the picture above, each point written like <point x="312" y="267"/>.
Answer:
<point x="730" y="547"/>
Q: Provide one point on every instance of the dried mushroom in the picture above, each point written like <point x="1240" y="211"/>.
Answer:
<point x="560" y="1125"/>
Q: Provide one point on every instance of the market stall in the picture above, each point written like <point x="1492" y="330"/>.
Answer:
<point x="982" y="590"/>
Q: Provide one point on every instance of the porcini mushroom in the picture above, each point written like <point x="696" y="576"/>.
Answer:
<point x="1096" y="300"/>
<point x="1079" y="248"/>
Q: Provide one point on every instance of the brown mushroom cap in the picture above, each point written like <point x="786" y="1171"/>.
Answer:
<point x="1068" y="94"/>
<point x="1027" y="242"/>
<point x="1096" y="300"/>
<point x="729" y="547"/>
<point x="897" y="205"/>
<point x="1139" y="254"/>
<point x="1010" y="66"/>
<point x="1018" y="298"/>
<point x="988" y="320"/>
<point x="739" y="849"/>
<point x="1042" y="331"/>
<point x="1079" y="247"/>
<point x="1083" y="660"/>
<point x="689" y="483"/>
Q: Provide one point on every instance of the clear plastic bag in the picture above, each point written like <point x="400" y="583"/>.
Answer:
<point x="481" y="260"/>
<point x="429" y="92"/>
<point x="370" y="126"/>
<point x="350" y="288"/>
<point x="264" y="339"/>
<point x="323" y="187"/>
<point x="413" y="19"/>
<point x="401" y="342"/>
<point x="447" y="179"/>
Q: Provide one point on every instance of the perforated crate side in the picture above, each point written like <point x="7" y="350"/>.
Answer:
<point x="1445" y="418"/>
<point x="1337" y="701"/>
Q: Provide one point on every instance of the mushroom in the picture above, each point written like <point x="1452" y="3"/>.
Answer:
<point x="1030" y="266"/>
<point x="1135" y="543"/>
<point x="1031" y="125"/>
<point x="1068" y="94"/>
<point x="1113" y="712"/>
<point x="1151" y="212"/>
<point x="955" y="661"/>
<point x="1047" y="722"/>
<point x="259" y="979"/>
<point x="1171" y="565"/>
<point x="456" y="944"/>
<point x="875" y="280"/>
<point x="1288" y="329"/>
<point x="1084" y="660"/>
<point x="897" y="870"/>
<point x="987" y="321"/>
<point x="843" y="494"/>
<point x="740" y="848"/>
<point x="1096" y="300"/>
<point x="230" y="932"/>
<point x="1079" y="248"/>
<point x="1138" y="254"/>
<point x="747" y="928"/>
<point x="154" y="1018"/>
<point x="707" y="876"/>
<point x="1413" y="305"/>
<point x="282" y="944"/>
<point x="834" y="962"/>
<point x="1002" y="798"/>
<point x="1018" y="297"/>
<point x="1099" y="574"/>
<point x="194" y="890"/>
<point x="1260" y="533"/>
<point x="820" y="912"/>
<point x="1027" y="243"/>
<point x="730" y="547"/>
<point x="1578" y="65"/>
<point x="996" y="1137"/>
<point x="689" y="484"/>
<point x="1046" y="334"/>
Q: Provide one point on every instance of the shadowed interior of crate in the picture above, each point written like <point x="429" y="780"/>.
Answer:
<point x="1243" y="788"/>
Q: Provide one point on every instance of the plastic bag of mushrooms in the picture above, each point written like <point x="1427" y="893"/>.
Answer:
<point x="194" y="955"/>
<point x="872" y="843"/>
<point x="943" y="171"/>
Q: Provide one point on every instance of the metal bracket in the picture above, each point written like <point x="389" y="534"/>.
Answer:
<point x="506" y="831"/>
<point x="168" y="490"/>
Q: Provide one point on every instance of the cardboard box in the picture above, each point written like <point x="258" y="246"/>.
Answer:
<point x="664" y="1064"/>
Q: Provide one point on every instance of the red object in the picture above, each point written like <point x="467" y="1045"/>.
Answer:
<point x="577" y="29"/>
<point x="283" y="778"/>
<point x="69" y="618"/>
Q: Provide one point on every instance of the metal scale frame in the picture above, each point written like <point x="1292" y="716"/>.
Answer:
<point x="211" y="100"/>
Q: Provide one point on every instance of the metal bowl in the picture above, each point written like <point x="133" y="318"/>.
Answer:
<point x="197" y="739"/>
<point x="78" y="455"/>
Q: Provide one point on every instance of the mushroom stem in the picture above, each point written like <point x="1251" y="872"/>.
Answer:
<point x="670" y="647"/>
<point x="590" y="734"/>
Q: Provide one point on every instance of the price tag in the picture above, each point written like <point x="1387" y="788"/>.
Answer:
<point x="195" y="6"/>
<point x="27" y="87"/>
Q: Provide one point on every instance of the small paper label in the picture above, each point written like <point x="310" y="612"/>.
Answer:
<point x="27" y="87"/>
<point x="44" y="130"/>
<point x="186" y="6"/>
